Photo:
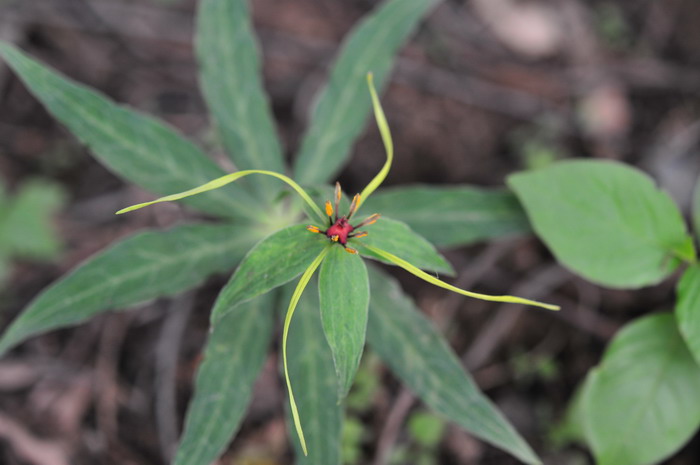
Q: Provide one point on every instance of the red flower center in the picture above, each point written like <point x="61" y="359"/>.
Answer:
<point x="341" y="228"/>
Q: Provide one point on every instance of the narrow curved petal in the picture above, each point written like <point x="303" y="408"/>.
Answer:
<point x="433" y="280"/>
<point x="386" y="138"/>
<point x="222" y="181"/>
<point x="303" y="281"/>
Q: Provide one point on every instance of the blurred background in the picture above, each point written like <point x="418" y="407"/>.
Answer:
<point x="483" y="89"/>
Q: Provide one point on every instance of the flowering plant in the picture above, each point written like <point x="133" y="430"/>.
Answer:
<point x="259" y="235"/>
<point x="344" y="326"/>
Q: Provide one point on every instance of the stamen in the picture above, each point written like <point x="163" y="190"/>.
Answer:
<point x="354" y="205"/>
<point x="369" y="220"/>
<point x="335" y="238"/>
<point x="329" y="208"/>
<point x="313" y="229"/>
<point x="351" y="250"/>
<point x="359" y="234"/>
<point x="338" y="194"/>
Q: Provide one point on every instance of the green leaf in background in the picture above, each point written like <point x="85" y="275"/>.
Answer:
<point x="311" y="369"/>
<point x="696" y="209"/>
<point x="398" y="239"/>
<point x="25" y="221"/>
<point x="605" y="221"/>
<point x="230" y="76"/>
<point x="642" y="403"/>
<point x="343" y="105"/>
<point x="343" y="289"/>
<point x="452" y="216"/>
<point x="573" y="426"/>
<point x="134" y="146"/>
<point x="688" y="309"/>
<point x="421" y="357"/>
<point x="233" y="357"/>
<point x="274" y="261"/>
<point x="142" y="267"/>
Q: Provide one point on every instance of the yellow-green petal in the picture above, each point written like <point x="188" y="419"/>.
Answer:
<point x="433" y="280"/>
<point x="303" y="281"/>
<point x="386" y="138"/>
<point x="222" y="181"/>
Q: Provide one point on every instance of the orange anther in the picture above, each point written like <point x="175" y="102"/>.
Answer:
<point x="351" y="250"/>
<point x="359" y="235"/>
<point x="335" y="238"/>
<point x="313" y="229"/>
<point x="329" y="208"/>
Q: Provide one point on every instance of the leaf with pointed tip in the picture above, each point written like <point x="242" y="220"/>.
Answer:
<point x="230" y="76"/>
<point x="343" y="105"/>
<point x="642" y="402"/>
<point x="274" y="261"/>
<point x="233" y="356"/>
<point x="605" y="221"/>
<point x="420" y="356"/>
<point x="311" y="368"/>
<point x="136" y="147"/>
<point x="397" y="238"/>
<point x="141" y="267"/>
<point x="343" y="289"/>
<point x="452" y="216"/>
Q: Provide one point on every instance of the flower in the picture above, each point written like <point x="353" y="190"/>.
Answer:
<point x="339" y="231"/>
<point x="339" y="228"/>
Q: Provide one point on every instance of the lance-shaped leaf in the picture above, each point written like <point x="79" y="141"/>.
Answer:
<point x="230" y="78"/>
<point x="310" y="367"/>
<point x="421" y="357"/>
<point x="233" y="357"/>
<point x="605" y="221"/>
<point x="397" y="238"/>
<point x="452" y="216"/>
<point x="343" y="290"/>
<point x="136" y="147"/>
<point x="688" y="309"/>
<point x="642" y="402"/>
<point x="274" y="261"/>
<point x="343" y="105"/>
<point x="142" y="267"/>
<point x="438" y="282"/>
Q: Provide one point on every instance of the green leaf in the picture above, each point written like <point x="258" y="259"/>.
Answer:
<point x="234" y="354"/>
<point x="343" y="105"/>
<point x="696" y="209"/>
<point x="343" y="290"/>
<point x="274" y="261"/>
<point x="25" y="221"/>
<point x="421" y="357"/>
<point x="605" y="221"/>
<point x="311" y="369"/>
<point x="230" y="76"/>
<point x="688" y="309"/>
<point x="397" y="238"/>
<point x="136" y="147"/>
<point x="572" y="428"/>
<point x="142" y="267"/>
<point x="452" y="216"/>
<point x="642" y="404"/>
